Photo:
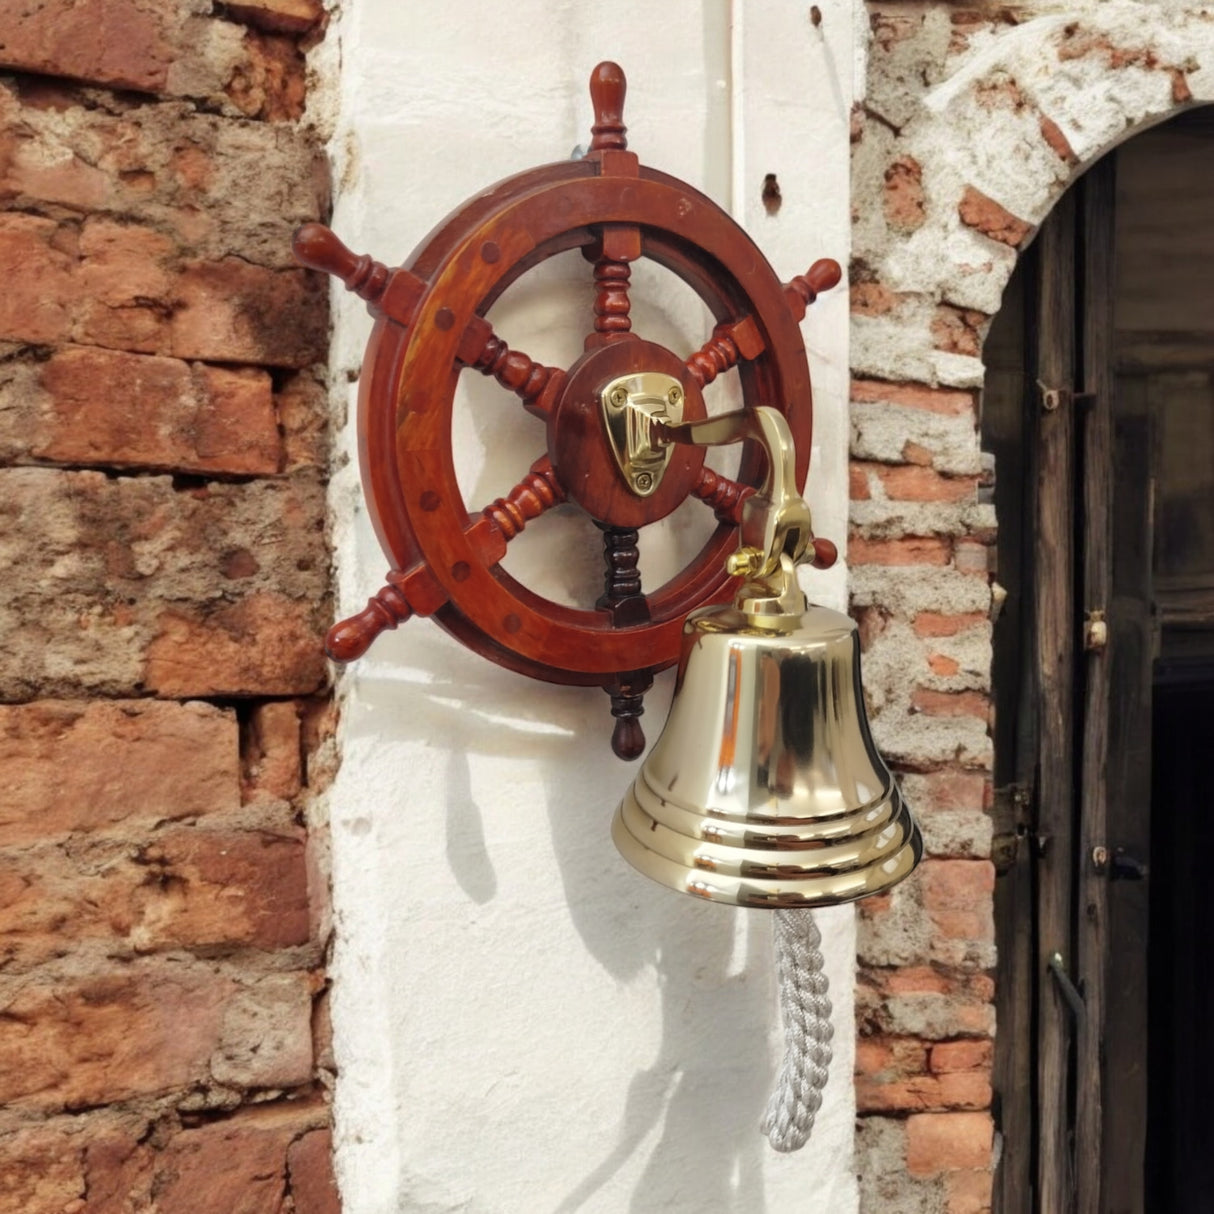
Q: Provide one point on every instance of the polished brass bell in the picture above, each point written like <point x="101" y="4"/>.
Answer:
<point x="765" y="788"/>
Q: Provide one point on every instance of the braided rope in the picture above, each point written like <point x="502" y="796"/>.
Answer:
<point x="805" y="1010"/>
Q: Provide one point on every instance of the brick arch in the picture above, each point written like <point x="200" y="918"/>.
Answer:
<point x="986" y="154"/>
<point x="971" y="130"/>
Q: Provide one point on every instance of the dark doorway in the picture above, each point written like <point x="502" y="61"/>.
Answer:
<point x="1180" y="1065"/>
<point x="1099" y="409"/>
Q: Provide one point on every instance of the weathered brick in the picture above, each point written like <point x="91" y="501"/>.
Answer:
<point x="77" y="766"/>
<point x="149" y="1028"/>
<point x="122" y="1161"/>
<point x="932" y="1002"/>
<point x="263" y="645"/>
<point x="165" y="49"/>
<point x="943" y="665"/>
<point x="269" y="80"/>
<point x="951" y="703"/>
<point x="220" y="188"/>
<point x="958" y="897"/>
<point x="858" y="486"/>
<point x="239" y="1164"/>
<point x="967" y="1055"/>
<point x="39" y="1172"/>
<point x="947" y="401"/>
<point x="898" y="434"/>
<point x="272" y="756"/>
<point x="958" y="330"/>
<point x="921" y="1093"/>
<point x="116" y="42"/>
<point x="266" y="1034"/>
<point x="1052" y="133"/>
<point x="90" y="406"/>
<point x="970" y="1192"/>
<point x="947" y="790"/>
<point x="908" y="482"/>
<point x="988" y="217"/>
<point x="302" y="404"/>
<point x="948" y="1142"/>
<point x="173" y="888"/>
<point x="866" y="298"/>
<point x="881" y="1166"/>
<point x="120" y="577"/>
<point x="310" y="1168"/>
<point x="936" y="624"/>
<point x="122" y="286"/>
<point x="972" y="556"/>
<point x="37" y="272"/>
<point x="903" y="200"/>
<point x="284" y="16"/>
<point x="917" y="550"/>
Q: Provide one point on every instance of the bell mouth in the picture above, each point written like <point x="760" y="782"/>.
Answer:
<point x="804" y="866"/>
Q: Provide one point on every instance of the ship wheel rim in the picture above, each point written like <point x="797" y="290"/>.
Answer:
<point x="723" y="273"/>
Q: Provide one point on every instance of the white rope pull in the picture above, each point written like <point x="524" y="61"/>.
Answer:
<point x="805" y="1009"/>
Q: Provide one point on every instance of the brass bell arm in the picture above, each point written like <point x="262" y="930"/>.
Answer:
<point x="775" y="519"/>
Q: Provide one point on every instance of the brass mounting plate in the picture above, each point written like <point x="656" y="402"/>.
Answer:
<point x="631" y="406"/>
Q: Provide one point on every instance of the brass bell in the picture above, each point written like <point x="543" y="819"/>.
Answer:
<point x="765" y="788"/>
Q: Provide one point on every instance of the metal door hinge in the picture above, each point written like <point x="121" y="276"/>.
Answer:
<point x="1009" y="816"/>
<point x="1053" y="399"/>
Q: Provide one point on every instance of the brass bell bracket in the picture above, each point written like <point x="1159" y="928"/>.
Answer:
<point x="632" y="404"/>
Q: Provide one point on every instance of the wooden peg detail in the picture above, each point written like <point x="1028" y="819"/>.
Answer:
<point x="607" y="88"/>
<point x="805" y="288"/>
<point x="393" y="293"/>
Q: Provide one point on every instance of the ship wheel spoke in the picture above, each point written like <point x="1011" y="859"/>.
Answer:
<point x="722" y="495"/>
<point x="622" y="597"/>
<point x="536" y="385"/>
<point x="730" y="342"/>
<point x="535" y="494"/>
<point x="617" y="247"/>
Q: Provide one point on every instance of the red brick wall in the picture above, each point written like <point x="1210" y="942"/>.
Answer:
<point x="164" y="716"/>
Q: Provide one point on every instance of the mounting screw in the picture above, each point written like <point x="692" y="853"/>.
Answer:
<point x="675" y="395"/>
<point x="644" y="482"/>
<point x="619" y="397"/>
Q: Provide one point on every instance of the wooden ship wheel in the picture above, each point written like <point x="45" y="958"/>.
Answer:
<point x="430" y="325"/>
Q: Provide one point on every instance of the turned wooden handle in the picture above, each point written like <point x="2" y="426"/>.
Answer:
<point x="805" y="288"/>
<point x="350" y="639"/>
<point x="318" y="248"/>
<point x="607" y="88"/>
<point x="825" y="555"/>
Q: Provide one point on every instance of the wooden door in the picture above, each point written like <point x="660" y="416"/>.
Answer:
<point x="1050" y="421"/>
<point x="1094" y="410"/>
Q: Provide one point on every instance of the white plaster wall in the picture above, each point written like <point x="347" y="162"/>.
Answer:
<point x="522" y="1023"/>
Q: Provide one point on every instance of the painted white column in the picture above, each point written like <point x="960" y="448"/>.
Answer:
<point x="523" y="1023"/>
